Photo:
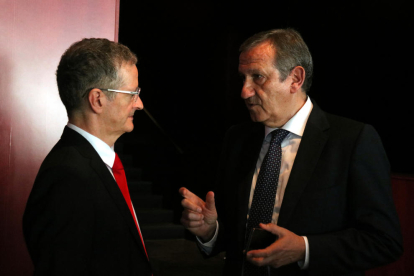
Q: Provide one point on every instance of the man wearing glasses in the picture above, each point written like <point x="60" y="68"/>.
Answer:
<point x="79" y="219"/>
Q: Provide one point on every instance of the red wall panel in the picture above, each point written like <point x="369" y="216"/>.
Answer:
<point x="33" y="36"/>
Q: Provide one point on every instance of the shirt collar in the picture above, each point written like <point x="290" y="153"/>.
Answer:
<point x="106" y="152"/>
<point x="297" y="123"/>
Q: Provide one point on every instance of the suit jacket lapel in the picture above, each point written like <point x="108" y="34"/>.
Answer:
<point x="86" y="149"/>
<point x="311" y="146"/>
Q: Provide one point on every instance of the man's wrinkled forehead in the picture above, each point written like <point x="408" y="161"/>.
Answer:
<point x="263" y="52"/>
<point x="256" y="58"/>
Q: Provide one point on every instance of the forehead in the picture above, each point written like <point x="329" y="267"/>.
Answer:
<point x="129" y="69"/>
<point x="262" y="54"/>
<point x="129" y="73"/>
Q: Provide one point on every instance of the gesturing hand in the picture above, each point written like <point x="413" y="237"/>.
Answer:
<point x="288" y="248"/>
<point x="199" y="217"/>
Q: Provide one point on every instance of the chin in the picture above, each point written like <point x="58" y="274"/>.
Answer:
<point x="256" y="117"/>
<point x="129" y="128"/>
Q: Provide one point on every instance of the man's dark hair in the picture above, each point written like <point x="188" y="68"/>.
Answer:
<point x="87" y="64"/>
<point x="291" y="51"/>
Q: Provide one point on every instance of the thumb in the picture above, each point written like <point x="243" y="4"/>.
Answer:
<point x="210" y="202"/>
<point x="272" y="228"/>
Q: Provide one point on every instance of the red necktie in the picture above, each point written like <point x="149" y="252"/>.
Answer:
<point x="119" y="174"/>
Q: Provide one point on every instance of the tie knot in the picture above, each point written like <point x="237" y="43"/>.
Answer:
<point x="117" y="164"/>
<point x="278" y="135"/>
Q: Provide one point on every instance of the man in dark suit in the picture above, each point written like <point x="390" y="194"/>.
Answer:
<point x="79" y="219"/>
<point x="332" y="211"/>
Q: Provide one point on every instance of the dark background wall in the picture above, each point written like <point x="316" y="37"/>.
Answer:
<point x="188" y="58"/>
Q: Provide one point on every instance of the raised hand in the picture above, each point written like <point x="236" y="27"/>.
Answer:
<point x="199" y="216"/>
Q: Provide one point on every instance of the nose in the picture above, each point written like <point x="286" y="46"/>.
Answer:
<point x="247" y="90"/>
<point x="139" y="105"/>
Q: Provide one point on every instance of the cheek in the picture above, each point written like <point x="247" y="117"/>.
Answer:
<point x="261" y="96"/>
<point x="265" y="99"/>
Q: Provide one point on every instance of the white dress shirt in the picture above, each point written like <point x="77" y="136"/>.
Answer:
<point x="106" y="153"/>
<point x="290" y="145"/>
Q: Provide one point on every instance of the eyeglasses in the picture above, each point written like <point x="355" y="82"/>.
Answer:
<point x="134" y="94"/>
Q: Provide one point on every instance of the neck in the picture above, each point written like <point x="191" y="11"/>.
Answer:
<point x="294" y="108"/>
<point x="92" y="125"/>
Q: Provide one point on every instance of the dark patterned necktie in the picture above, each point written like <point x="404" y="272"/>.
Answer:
<point x="261" y="210"/>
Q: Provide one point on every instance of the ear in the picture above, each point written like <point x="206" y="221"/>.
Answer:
<point x="96" y="100"/>
<point x="298" y="78"/>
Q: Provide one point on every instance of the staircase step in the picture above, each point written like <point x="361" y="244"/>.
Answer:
<point x="133" y="173"/>
<point x="163" y="231"/>
<point x="147" y="216"/>
<point x="146" y="201"/>
<point x="140" y="187"/>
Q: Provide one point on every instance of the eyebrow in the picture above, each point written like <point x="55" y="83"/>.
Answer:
<point x="251" y="72"/>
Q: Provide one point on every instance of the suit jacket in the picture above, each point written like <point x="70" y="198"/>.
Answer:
<point x="338" y="195"/>
<point x="76" y="220"/>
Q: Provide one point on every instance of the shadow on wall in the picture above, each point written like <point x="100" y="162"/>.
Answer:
<point x="5" y="148"/>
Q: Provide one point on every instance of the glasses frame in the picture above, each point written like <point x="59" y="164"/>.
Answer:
<point x="135" y="93"/>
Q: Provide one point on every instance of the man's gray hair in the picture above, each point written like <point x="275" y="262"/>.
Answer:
<point x="91" y="63"/>
<point x="291" y="51"/>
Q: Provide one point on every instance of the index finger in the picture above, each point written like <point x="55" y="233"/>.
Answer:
<point x="184" y="192"/>
<point x="259" y="256"/>
<point x="257" y="253"/>
<point x="190" y="197"/>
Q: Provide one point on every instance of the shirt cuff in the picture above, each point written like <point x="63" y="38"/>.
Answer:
<point x="208" y="246"/>
<point x="305" y="264"/>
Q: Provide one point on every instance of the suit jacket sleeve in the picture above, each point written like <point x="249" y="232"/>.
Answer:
<point x="55" y="223"/>
<point x="372" y="236"/>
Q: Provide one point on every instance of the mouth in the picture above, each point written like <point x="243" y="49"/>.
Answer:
<point x="250" y="104"/>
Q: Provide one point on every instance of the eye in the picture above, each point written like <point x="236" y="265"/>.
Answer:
<point x="258" y="78"/>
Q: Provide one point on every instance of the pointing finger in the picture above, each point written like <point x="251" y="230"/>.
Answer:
<point x="184" y="192"/>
